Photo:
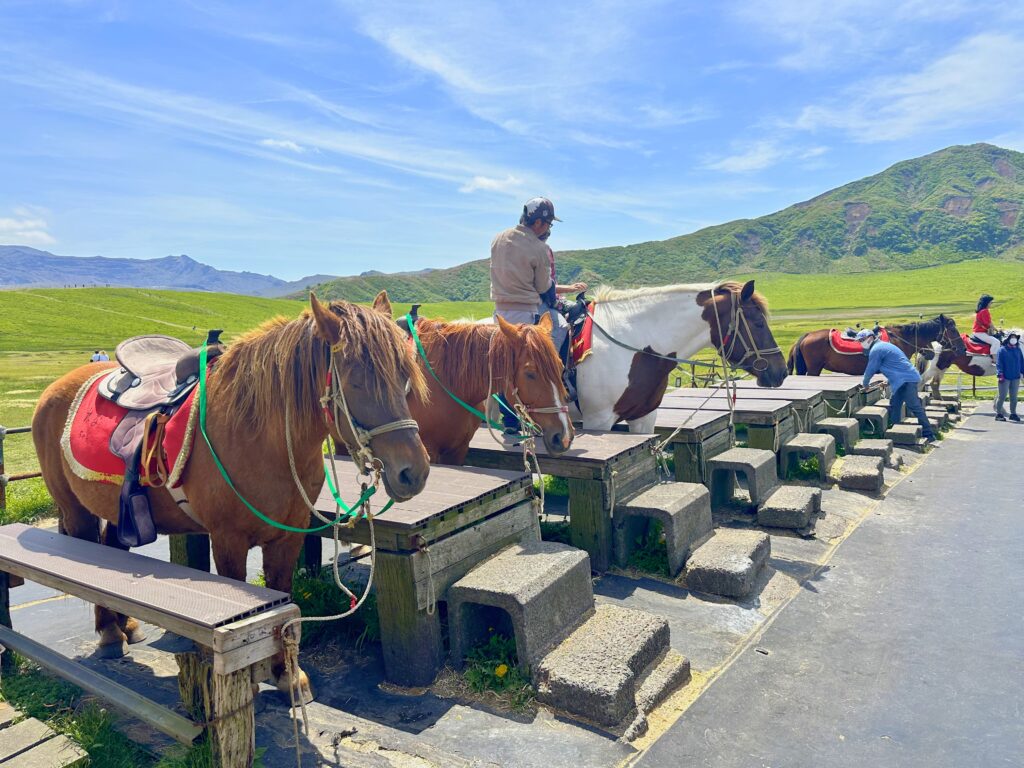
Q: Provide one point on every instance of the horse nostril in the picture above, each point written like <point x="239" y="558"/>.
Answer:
<point x="405" y="477"/>
<point x="557" y="440"/>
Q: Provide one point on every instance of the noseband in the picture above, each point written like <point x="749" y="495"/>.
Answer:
<point x="738" y="327"/>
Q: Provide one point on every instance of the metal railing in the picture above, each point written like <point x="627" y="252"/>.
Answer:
<point x="5" y="478"/>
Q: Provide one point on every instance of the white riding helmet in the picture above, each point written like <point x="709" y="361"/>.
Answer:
<point x="864" y="334"/>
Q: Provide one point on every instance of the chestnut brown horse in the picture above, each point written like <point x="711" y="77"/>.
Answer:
<point x="517" y="361"/>
<point x="282" y="364"/>
<point x="812" y="353"/>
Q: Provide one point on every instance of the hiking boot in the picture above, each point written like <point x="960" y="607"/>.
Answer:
<point x="1014" y="417"/>
<point x="930" y="439"/>
<point x="1000" y="417"/>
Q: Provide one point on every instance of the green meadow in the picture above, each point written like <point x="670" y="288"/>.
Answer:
<point x="44" y="333"/>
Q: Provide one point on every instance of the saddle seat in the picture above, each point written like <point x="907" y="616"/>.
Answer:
<point x="845" y="343"/>
<point x="155" y="371"/>
<point x="976" y="347"/>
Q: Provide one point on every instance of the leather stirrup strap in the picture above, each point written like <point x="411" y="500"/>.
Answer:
<point x="134" y="519"/>
<point x="152" y="454"/>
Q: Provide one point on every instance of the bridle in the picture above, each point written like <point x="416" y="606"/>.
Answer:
<point x="917" y="347"/>
<point x="521" y="409"/>
<point x="335" y="410"/>
<point x="737" y="329"/>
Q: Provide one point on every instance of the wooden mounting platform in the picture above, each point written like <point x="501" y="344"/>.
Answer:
<point x="808" y="404"/>
<point x="769" y="422"/>
<point x="696" y="437"/>
<point x="29" y="743"/>
<point x="601" y="467"/>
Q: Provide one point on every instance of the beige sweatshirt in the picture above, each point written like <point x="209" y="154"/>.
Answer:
<point x="520" y="269"/>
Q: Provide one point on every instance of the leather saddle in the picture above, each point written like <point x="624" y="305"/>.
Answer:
<point x="156" y="375"/>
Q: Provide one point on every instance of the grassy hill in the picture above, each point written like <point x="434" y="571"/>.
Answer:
<point x="961" y="203"/>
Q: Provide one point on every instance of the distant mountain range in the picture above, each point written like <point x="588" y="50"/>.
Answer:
<point x="960" y="203"/>
<point x="24" y="267"/>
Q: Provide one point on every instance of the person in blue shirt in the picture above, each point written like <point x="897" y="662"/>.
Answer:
<point x="1009" y="368"/>
<point x="889" y="360"/>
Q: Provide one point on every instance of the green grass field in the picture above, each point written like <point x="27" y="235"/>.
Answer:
<point x="44" y="333"/>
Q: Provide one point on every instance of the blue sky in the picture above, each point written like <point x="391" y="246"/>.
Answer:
<point x="336" y="137"/>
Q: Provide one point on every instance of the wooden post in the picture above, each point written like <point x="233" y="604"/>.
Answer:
<point x="761" y="436"/>
<point x="590" y="521"/>
<point x="5" y="617"/>
<point x="312" y="553"/>
<point x="192" y="550"/>
<point x="223" y="701"/>
<point x="413" y="647"/>
<point x="687" y="462"/>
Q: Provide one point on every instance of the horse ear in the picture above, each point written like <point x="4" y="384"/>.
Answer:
<point x="328" y="324"/>
<point x="545" y="322"/>
<point x="507" y="328"/>
<point x="748" y="291"/>
<point x="382" y="303"/>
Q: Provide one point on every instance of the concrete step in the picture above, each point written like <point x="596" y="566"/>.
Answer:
<point x="845" y="431"/>
<point x="905" y="435"/>
<point x="873" y="420"/>
<point x="684" y="511"/>
<point x="756" y="464"/>
<point x="661" y="678"/>
<point x="951" y="405"/>
<point x="596" y="671"/>
<point x="729" y="563"/>
<point x="861" y="473"/>
<point x="790" y="506"/>
<point x="544" y="587"/>
<point x="936" y="426"/>
<point x="807" y="444"/>
<point x="941" y="415"/>
<point x="880" y="448"/>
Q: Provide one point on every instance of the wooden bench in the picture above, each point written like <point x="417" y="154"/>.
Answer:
<point x="769" y="422"/>
<point x="601" y="468"/>
<point x="235" y="625"/>
<point x="424" y="545"/>
<point x="696" y="436"/>
<point x="808" y="405"/>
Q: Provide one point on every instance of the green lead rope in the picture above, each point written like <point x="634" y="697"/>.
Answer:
<point x="419" y="346"/>
<point x="227" y="479"/>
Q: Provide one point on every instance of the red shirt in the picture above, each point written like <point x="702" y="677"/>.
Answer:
<point x="982" y="321"/>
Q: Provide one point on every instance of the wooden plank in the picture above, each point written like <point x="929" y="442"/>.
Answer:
<point x="410" y="637"/>
<point x="590" y="521"/>
<point x="587" y="446"/>
<point x="7" y="714"/>
<point x="692" y="425"/>
<point x="6" y="662"/>
<point x="243" y="643"/>
<point x="790" y="395"/>
<point x="21" y="736"/>
<point x="452" y="558"/>
<point x="58" y="752"/>
<point x="136" y="705"/>
<point x="749" y="411"/>
<point x="691" y="458"/>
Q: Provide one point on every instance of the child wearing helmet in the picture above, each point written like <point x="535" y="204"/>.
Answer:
<point x="983" y="327"/>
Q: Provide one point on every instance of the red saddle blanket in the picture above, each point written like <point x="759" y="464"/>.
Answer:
<point x="581" y="344"/>
<point x="93" y="419"/>
<point x="974" y="348"/>
<point x="847" y="346"/>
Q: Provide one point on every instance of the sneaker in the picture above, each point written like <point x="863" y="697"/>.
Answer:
<point x="1000" y="417"/>
<point x="930" y="439"/>
<point x="1014" y="417"/>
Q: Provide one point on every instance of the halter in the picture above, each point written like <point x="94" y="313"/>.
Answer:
<point x="738" y="325"/>
<point x="335" y="407"/>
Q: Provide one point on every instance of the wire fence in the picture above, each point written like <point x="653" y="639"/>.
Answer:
<point x="4" y="477"/>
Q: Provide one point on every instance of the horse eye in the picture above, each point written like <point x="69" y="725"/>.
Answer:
<point x="531" y="376"/>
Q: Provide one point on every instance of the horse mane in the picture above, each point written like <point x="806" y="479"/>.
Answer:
<point x="455" y="345"/>
<point x="285" y="361"/>
<point x="605" y="293"/>
<point x="922" y="326"/>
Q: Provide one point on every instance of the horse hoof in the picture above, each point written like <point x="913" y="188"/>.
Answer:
<point x="112" y="650"/>
<point x="303" y="694"/>
<point x="135" y="635"/>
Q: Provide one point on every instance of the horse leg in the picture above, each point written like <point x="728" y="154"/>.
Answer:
<point x="279" y="556"/>
<point x="128" y="626"/>
<point x="644" y="425"/>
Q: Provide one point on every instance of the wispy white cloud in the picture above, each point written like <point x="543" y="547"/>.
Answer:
<point x="979" y="78"/>
<point x="593" y="140"/>
<point x="27" y="226"/>
<point x="754" y="156"/>
<point x="509" y="184"/>
<point x="291" y="146"/>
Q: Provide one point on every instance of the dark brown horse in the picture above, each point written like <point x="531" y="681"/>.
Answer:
<point x="812" y="353"/>
<point x="282" y="364"/>
<point x="517" y="361"/>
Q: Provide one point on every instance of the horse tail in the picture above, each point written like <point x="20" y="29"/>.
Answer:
<point x="796" y="362"/>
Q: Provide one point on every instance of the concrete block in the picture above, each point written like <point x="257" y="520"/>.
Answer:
<point x="670" y="672"/>
<point x="941" y="415"/>
<point x="804" y="445"/>
<point x="952" y="405"/>
<point x="881" y="448"/>
<point x="845" y="431"/>
<point x="790" y="506"/>
<point x="595" y="671"/>
<point x="684" y="511"/>
<point x="543" y="586"/>
<point x="936" y="426"/>
<point x="904" y="434"/>
<point x="729" y="563"/>
<point x="861" y="473"/>
<point x="873" y="420"/>
<point x="756" y="464"/>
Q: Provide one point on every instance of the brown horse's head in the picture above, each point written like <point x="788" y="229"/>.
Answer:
<point x="951" y="338"/>
<point x="738" y="319"/>
<point x="377" y="372"/>
<point x="533" y="375"/>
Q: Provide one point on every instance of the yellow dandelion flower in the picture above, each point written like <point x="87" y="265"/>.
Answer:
<point x="501" y="670"/>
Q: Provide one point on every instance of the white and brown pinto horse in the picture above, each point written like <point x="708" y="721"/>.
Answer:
<point x="675" y="321"/>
